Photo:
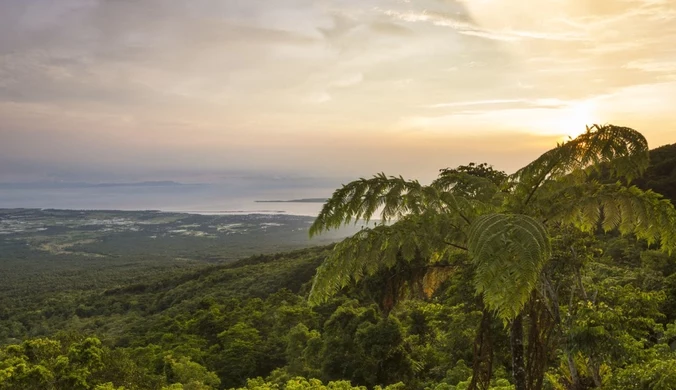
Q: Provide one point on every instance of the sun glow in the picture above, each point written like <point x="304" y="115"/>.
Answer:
<point x="577" y="117"/>
<point x="568" y="121"/>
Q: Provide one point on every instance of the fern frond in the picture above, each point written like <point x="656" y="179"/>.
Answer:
<point x="629" y="209"/>
<point x="623" y="150"/>
<point x="395" y="198"/>
<point x="362" y="198"/>
<point x="508" y="251"/>
<point x="430" y="236"/>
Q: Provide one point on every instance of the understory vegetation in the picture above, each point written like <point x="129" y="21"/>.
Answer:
<point x="560" y="276"/>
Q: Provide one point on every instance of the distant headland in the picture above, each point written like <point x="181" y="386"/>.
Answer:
<point x="304" y="200"/>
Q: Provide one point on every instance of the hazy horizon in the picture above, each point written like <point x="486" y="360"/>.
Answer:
<point x="230" y="197"/>
<point x="208" y="90"/>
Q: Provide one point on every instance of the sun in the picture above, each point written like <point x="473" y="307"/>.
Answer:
<point x="564" y="120"/>
<point x="574" y="119"/>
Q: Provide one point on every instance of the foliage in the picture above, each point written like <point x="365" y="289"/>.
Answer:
<point x="600" y="314"/>
<point x="300" y="383"/>
<point x="506" y="284"/>
<point x="437" y="220"/>
<point x="502" y="222"/>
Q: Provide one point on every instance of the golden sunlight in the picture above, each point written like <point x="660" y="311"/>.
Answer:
<point x="577" y="117"/>
<point x="569" y="121"/>
<point x="565" y="122"/>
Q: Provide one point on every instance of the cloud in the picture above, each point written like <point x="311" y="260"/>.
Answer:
<point x="498" y="104"/>
<point x="341" y="26"/>
<point x="318" y="98"/>
<point x="668" y="67"/>
<point x="462" y="26"/>
<point x="348" y="80"/>
<point x="389" y="28"/>
<point x="209" y="83"/>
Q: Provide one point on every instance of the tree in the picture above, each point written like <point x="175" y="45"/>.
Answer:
<point x="503" y="228"/>
<point x="240" y="351"/>
<point x="189" y="374"/>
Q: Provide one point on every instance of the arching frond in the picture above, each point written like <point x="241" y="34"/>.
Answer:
<point x="430" y="236"/>
<point x="508" y="251"/>
<point x="362" y="198"/>
<point x="614" y="206"/>
<point x="395" y="198"/>
<point x="623" y="150"/>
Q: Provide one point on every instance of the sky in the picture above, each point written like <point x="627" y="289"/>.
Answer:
<point x="202" y="90"/>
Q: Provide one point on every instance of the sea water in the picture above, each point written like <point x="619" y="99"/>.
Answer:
<point x="223" y="198"/>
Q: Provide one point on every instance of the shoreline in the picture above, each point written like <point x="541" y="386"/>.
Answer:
<point x="188" y="212"/>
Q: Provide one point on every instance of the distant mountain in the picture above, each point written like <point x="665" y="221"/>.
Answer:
<point x="304" y="200"/>
<point x="52" y="184"/>
<point x="165" y="183"/>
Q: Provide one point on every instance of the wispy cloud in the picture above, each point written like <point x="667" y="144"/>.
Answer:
<point x="474" y="103"/>
<point x="347" y="81"/>
<point x="318" y="98"/>
<point x="493" y="104"/>
<point x="653" y="66"/>
<point x="466" y="28"/>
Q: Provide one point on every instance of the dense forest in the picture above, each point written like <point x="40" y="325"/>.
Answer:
<point x="559" y="276"/>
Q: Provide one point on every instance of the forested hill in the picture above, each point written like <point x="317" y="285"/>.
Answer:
<point x="661" y="174"/>
<point x="248" y="325"/>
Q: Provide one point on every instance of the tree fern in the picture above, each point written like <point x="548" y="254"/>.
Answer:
<point x="499" y="220"/>
<point x="452" y="213"/>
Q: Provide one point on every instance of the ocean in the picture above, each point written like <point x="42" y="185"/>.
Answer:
<point x="190" y="198"/>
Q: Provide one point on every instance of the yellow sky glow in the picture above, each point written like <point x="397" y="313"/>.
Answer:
<point x="297" y="85"/>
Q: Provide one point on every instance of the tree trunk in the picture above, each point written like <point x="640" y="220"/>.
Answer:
<point x="482" y="366"/>
<point x="541" y="326"/>
<point x="516" y="344"/>
<point x="574" y="376"/>
<point x="595" y="371"/>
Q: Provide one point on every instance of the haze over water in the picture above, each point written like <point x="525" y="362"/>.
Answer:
<point x="233" y="197"/>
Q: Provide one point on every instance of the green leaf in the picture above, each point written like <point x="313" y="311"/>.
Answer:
<point x="508" y="251"/>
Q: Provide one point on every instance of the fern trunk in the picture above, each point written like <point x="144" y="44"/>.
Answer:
<point x="516" y="345"/>
<point x="482" y="366"/>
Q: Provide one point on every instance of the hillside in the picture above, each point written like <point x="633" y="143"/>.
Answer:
<point x="55" y="255"/>
<point x="661" y="175"/>
<point x="250" y="318"/>
<point x="219" y="325"/>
